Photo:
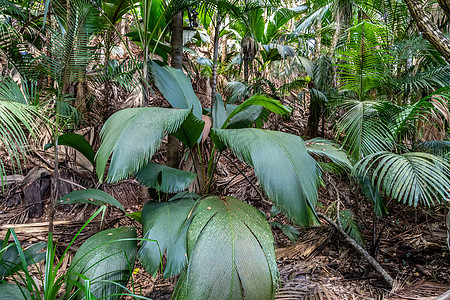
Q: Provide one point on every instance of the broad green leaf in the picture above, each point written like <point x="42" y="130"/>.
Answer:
<point x="133" y="135"/>
<point x="190" y="131"/>
<point x="176" y="88"/>
<point x="326" y="148"/>
<point x="164" y="178"/>
<point x="287" y="173"/>
<point x="162" y="222"/>
<point x="106" y="256"/>
<point x="10" y="261"/>
<point x="77" y="142"/>
<point x="291" y="232"/>
<point x="14" y="291"/>
<point x="231" y="253"/>
<point x="90" y="196"/>
<point x="245" y="117"/>
<point x="219" y="113"/>
<point x="412" y="178"/>
<point x="272" y="105"/>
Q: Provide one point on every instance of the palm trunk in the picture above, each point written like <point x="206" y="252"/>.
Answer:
<point x="173" y="145"/>
<point x="223" y="55"/>
<point x="215" y="58"/>
<point x="336" y="34"/>
<point x="318" y="40"/>
<point x="428" y="28"/>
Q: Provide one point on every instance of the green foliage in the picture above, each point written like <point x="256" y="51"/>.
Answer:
<point x="363" y="132"/>
<point x="176" y="88"/>
<point x="106" y="261"/>
<point x="230" y="251"/>
<point x="17" y="119"/>
<point x="162" y="226"/>
<point x="133" y="135"/>
<point x="77" y="142"/>
<point x="90" y="196"/>
<point x="164" y="178"/>
<point x="333" y="151"/>
<point x="413" y="178"/>
<point x="350" y="225"/>
<point x="287" y="173"/>
<point x="11" y="261"/>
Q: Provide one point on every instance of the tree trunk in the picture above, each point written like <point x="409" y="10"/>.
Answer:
<point x="318" y="40"/>
<point x="173" y="145"/>
<point x="336" y="34"/>
<point x="429" y="29"/>
<point x="223" y="55"/>
<point x="215" y="58"/>
<point x="315" y="111"/>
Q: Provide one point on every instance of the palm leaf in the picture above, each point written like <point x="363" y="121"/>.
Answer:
<point x="14" y="291"/>
<point x="326" y="148"/>
<point x="287" y="173"/>
<point x="18" y="122"/>
<point x="162" y="224"/>
<point x="107" y="260"/>
<point x="77" y="142"/>
<point x="164" y="178"/>
<point x="260" y="100"/>
<point x="412" y="178"/>
<point x="176" y="88"/>
<point x="363" y="131"/>
<point x="230" y="251"/>
<point x="90" y="196"/>
<point x="133" y="135"/>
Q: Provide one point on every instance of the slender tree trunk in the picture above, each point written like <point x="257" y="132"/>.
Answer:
<point x="177" y="40"/>
<point x="315" y="111"/>
<point x="173" y="145"/>
<point x="215" y="58"/>
<point x="318" y="40"/>
<point x="336" y="34"/>
<point x="223" y="55"/>
<point x="428" y="28"/>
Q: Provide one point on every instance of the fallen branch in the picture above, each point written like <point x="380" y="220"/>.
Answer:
<point x="361" y="250"/>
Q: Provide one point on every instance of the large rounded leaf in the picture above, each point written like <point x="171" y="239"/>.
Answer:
<point x="106" y="256"/>
<point x="162" y="223"/>
<point x="133" y="135"/>
<point x="231" y="253"/>
<point x="287" y="173"/>
<point x="412" y="178"/>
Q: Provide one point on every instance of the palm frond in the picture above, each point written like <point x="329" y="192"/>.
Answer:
<point x="363" y="133"/>
<point x="412" y="178"/>
<point x="17" y="121"/>
<point x="287" y="173"/>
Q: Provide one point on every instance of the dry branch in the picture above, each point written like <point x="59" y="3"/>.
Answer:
<point x="389" y="280"/>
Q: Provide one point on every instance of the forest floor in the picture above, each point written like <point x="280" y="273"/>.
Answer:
<point x="409" y="243"/>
